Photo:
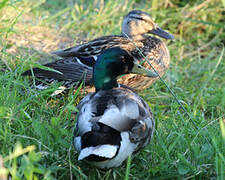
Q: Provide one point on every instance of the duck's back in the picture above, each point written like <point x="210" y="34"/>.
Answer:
<point x="119" y="108"/>
<point x="112" y="125"/>
<point x="150" y="48"/>
<point x="77" y="62"/>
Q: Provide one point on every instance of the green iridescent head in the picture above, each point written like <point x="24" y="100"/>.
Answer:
<point x="112" y="63"/>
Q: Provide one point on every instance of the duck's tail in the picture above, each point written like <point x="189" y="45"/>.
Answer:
<point x="100" y="144"/>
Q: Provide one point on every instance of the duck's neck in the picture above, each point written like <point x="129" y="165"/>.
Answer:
<point x="106" y="70"/>
<point x="103" y="79"/>
<point x="137" y="37"/>
<point x="112" y="63"/>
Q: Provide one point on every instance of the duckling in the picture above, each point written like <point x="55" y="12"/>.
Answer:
<point x="77" y="62"/>
<point x="113" y="122"/>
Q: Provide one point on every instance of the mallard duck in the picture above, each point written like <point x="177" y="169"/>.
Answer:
<point x="77" y="62"/>
<point x="114" y="121"/>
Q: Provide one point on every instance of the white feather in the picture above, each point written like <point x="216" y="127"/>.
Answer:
<point x="83" y="124"/>
<point x="95" y="58"/>
<point x="107" y="151"/>
<point x="126" y="149"/>
<point x="78" y="60"/>
<point x="112" y="117"/>
<point x="120" y="119"/>
<point x="130" y="109"/>
<point x="77" y="143"/>
<point x="41" y="86"/>
<point x="58" y="91"/>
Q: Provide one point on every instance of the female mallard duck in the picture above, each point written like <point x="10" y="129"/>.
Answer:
<point x="77" y="62"/>
<point x="113" y="122"/>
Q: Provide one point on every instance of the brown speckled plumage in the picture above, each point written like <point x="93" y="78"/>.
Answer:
<point x="79" y="59"/>
<point x="158" y="55"/>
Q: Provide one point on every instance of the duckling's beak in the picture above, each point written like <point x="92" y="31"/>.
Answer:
<point x="161" y="33"/>
<point x="138" y="69"/>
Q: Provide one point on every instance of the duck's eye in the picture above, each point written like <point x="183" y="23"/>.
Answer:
<point x="137" y="17"/>
<point x="123" y="59"/>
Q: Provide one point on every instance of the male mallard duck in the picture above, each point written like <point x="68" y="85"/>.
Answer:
<point x="77" y="62"/>
<point x="113" y="122"/>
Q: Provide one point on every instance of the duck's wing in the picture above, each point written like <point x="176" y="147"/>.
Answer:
<point x="69" y="71"/>
<point x="65" y="69"/>
<point x="91" y="48"/>
<point x="76" y="63"/>
<point x="123" y="105"/>
<point x="118" y="108"/>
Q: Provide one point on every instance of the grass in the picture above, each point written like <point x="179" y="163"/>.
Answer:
<point x="36" y="130"/>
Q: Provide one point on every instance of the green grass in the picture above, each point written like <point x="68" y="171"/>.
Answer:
<point x="36" y="130"/>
